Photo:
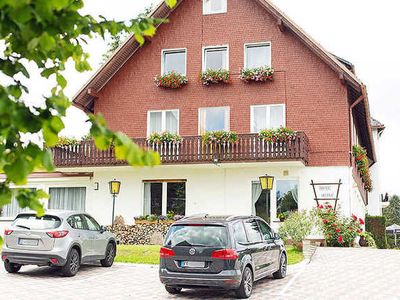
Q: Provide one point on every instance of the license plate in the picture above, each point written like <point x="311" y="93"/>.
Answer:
<point x="28" y="242"/>
<point x="193" y="264"/>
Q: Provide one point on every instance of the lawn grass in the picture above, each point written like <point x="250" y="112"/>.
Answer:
<point x="149" y="254"/>
<point x="294" y="255"/>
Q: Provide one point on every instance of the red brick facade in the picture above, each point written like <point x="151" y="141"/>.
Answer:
<point x="316" y="100"/>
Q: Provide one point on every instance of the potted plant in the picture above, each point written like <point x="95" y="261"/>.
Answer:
<point x="282" y="134"/>
<point x="362" y="164"/>
<point x="262" y="74"/>
<point x="171" y="80"/>
<point x="220" y="137"/>
<point x="164" y="137"/>
<point x="215" y="76"/>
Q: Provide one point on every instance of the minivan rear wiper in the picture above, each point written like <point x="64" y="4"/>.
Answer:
<point x="22" y="226"/>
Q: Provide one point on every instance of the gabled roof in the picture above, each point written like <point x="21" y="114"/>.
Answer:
<point x="86" y="96"/>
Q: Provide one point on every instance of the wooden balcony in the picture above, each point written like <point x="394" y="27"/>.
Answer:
<point x="360" y="184"/>
<point x="191" y="150"/>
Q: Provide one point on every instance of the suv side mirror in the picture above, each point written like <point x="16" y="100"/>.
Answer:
<point x="277" y="236"/>
<point x="103" y="229"/>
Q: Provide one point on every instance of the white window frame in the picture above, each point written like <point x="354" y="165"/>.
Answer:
<point x="207" y="10"/>
<point x="268" y="116"/>
<point x="227" y="117"/>
<point x="246" y="45"/>
<point x="164" y="51"/>
<point x="205" y="48"/>
<point x="163" y="119"/>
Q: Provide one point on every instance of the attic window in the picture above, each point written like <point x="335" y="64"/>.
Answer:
<point x="257" y="55"/>
<point x="173" y="60"/>
<point x="214" y="7"/>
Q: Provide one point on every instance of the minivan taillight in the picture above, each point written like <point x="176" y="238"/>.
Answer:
<point x="8" y="231"/>
<point x="166" y="252"/>
<point x="57" y="234"/>
<point x="225" y="254"/>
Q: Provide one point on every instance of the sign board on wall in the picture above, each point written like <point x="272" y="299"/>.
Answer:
<point x="325" y="192"/>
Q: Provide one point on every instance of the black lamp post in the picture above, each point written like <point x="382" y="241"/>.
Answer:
<point x="115" y="186"/>
<point x="267" y="184"/>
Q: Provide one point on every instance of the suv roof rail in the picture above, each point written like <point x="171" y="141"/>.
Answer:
<point x="230" y="218"/>
<point x="195" y="216"/>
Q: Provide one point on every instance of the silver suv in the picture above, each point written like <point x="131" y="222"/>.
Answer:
<point x="64" y="239"/>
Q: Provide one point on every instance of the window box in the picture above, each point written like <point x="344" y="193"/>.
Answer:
<point x="282" y="134"/>
<point x="362" y="164"/>
<point x="262" y="74"/>
<point x="215" y="76"/>
<point x="171" y="80"/>
<point x="164" y="137"/>
<point x="220" y="137"/>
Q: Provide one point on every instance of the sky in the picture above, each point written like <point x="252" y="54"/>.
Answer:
<point x="365" y="32"/>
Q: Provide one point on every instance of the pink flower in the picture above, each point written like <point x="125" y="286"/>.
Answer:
<point x="340" y="240"/>
<point x="361" y="221"/>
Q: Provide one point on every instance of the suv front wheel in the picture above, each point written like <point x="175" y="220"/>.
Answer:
<point x="110" y="255"/>
<point x="281" y="273"/>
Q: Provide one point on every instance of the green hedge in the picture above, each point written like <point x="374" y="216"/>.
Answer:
<point x="377" y="227"/>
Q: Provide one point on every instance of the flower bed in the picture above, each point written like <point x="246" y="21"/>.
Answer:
<point x="262" y="74"/>
<point x="171" y="80"/>
<point x="339" y="231"/>
<point x="215" y="76"/>
<point x="362" y="164"/>
<point x="219" y="137"/>
<point x="164" y="137"/>
<point x="281" y="134"/>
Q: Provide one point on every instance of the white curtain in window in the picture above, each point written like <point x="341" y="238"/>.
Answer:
<point x="216" y="59"/>
<point x="147" y="199"/>
<point x="67" y="198"/>
<point x="155" y="121"/>
<point x="295" y="194"/>
<point x="213" y="118"/>
<point x="171" y="119"/>
<point x="255" y="194"/>
<point x="259" y="118"/>
<point x="257" y="56"/>
<point x="175" y="61"/>
<point x="12" y="209"/>
<point x="276" y="116"/>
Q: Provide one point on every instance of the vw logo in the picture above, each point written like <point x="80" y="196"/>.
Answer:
<point x="192" y="251"/>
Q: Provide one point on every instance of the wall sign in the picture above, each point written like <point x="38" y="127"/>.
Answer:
<point x="325" y="192"/>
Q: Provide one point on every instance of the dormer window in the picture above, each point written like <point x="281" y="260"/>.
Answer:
<point x="173" y="60"/>
<point x="257" y="55"/>
<point x="215" y="58"/>
<point x="214" y="7"/>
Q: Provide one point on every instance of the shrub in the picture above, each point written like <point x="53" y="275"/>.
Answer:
<point x="262" y="74"/>
<point x="282" y="134"/>
<point x="297" y="226"/>
<point x="392" y="212"/>
<point x="215" y="76"/>
<point x="159" y="138"/>
<point x="376" y="225"/>
<point x="220" y="137"/>
<point x="171" y="80"/>
<point x="338" y="231"/>
<point x="362" y="164"/>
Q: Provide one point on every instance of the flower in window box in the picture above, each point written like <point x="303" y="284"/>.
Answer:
<point x="261" y="74"/>
<point x="164" y="137"/>
<point x="362" y="164"/>
<point x="219" y="137"/>
<point x="215" y="76"/>
<point x="171" y="80"/>
<point x="282" y="134"/>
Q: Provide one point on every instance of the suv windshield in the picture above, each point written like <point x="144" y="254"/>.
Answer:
<point x="31" y="221"/>
<point x="197" y="235"/>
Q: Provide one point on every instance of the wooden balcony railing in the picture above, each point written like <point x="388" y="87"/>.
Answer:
<point x="191" y="150"/>
<point x="360" y="183"/>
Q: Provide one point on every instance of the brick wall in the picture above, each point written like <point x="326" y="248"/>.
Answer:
<point x="316" y="101"/>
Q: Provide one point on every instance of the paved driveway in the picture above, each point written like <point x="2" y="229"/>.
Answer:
<point x="332" y="274"/>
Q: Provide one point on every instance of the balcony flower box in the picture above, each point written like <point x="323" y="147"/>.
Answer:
<point x="282" y="134"/>
<point x="262" y="74"/>
<point x="215" y="76"/>
<point x="164" y="137"/>
<point x="362" y="164"/>
<point x="220" y="137"/>
<point x="171" y="80"/>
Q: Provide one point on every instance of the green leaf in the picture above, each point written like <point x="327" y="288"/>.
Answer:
<point x="50" y="137"/>
<point x="150" y="31"/>
<point x="47" y="160"/>
<point x="59" y="4"/>
<point x="33" y="43"/>
<point x="56" y="124"/>
<point x="5" y="195"/>
<point x="18" y="171"/>
<point x="47" y="42"/>
<point x="61" y="80"/>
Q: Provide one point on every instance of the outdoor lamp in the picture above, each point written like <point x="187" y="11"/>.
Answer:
<point x="267" y="182"/>
<point x="114" y="187"/>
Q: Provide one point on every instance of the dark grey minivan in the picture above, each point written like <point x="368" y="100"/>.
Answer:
<point x="228" y="252"/>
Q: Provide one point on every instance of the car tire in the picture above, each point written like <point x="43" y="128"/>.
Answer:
<point x="73" y="263"/>
<point x="173" y="290"/>
<point x="246" y="286"/>
<point x="281" y="273"/>
<point x="110" y="255"/>
<point x="11" y="267"/>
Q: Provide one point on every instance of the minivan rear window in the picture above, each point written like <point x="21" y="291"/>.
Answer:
<point x="33" y="222"/>
<point x="197" y="236"/>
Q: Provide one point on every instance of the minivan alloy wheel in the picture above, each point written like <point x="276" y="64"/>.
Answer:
<point x="248" y="282"/>
<point x="74" y="264"/>
<point x="283" y="266"/>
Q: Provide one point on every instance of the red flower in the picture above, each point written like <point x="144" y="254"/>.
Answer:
<point x="329" y="206"/>
<point x="321" y="206"/>
<point x="338" y="230"/>
<point x="325" y="221"/>
<point x="359" y="230"/>
<point x="351" y="228"/>
<point x="361" y="221"/>
<point x="334" y="225"/>
<point x="354" y="217"/>
<point x="340" y="240"/>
